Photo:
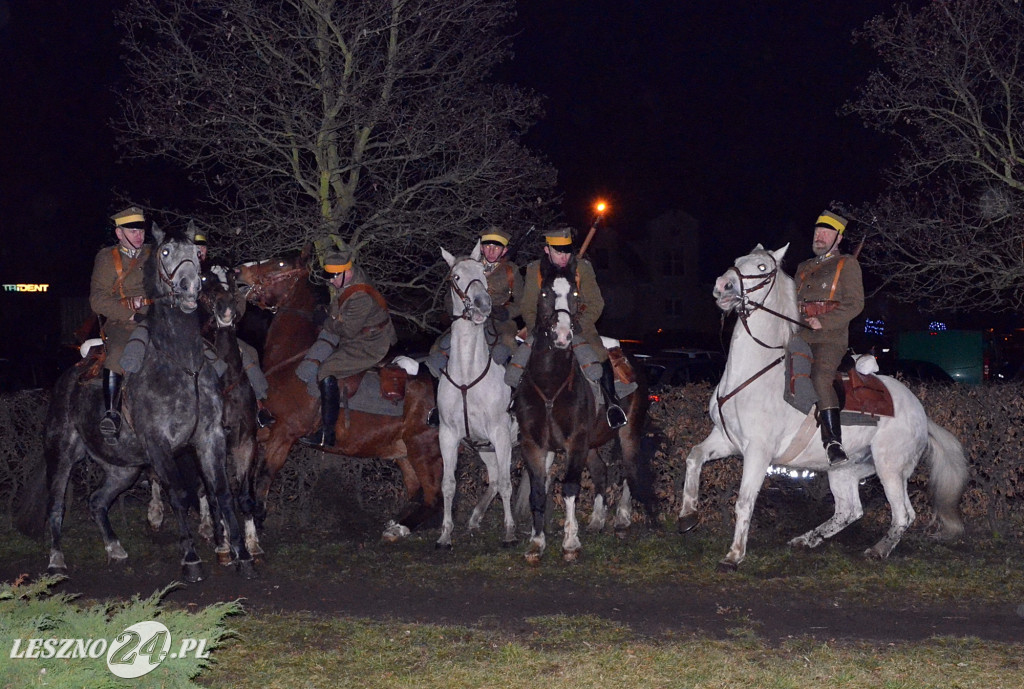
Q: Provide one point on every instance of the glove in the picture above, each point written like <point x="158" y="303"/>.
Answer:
<point x="499" y="313"/>
<point x="133" y="355"/>
<point x="306" y="371"/>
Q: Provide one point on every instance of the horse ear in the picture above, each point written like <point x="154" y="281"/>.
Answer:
<point x="190" y="231"/>
<point x="158" y="234"/>
<point x="759" y="247"/>
<point x="779" y="253"/>
<point x="475" y="254"/>
<point x="448" y="258"/>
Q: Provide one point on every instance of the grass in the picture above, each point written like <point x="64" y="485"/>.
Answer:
<point x="287" y="651"/>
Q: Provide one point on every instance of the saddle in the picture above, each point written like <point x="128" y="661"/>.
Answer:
<point x="90" y="366"/>
<point x="862" y="396"/>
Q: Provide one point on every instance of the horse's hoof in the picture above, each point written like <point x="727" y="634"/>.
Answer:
<point x="57" y="571"/>
<point x="571" y="556"/>
<point x="533" y="558"/>
<point x="727" y="566"/>
<point x="395" y="532"/>
<point x="622" y="532"/>
<point x="247" y="568"/>
<point x="224" y="558"/>
<point x="442" y="546"/>
<point x="509" y="543"/>
<point x="688" y="522"/>
<point x="192" y="572"/>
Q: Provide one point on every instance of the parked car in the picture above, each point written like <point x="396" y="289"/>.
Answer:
<point x="680" y="366"/>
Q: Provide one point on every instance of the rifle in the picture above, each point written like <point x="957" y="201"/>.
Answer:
<point x="589" y="237"/>
<point x="515" y="244"/>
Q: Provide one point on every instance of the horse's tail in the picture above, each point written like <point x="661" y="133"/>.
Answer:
<point x="30" y="510"/>
<point x="642" y="486"/>
<point x="948" y="479"/>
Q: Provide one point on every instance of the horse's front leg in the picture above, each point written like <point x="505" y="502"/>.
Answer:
<point x="756" y="461"/>
<point x="536" y="460"/>
<point x="576" y="454"/>
<point x="715" y="446"/>
<point x="502" y="441"/>
<point x="155" y="512"/>
<point x="116" y="480"/>
<point x="599" y="475"/>
<point x="213" y="461"/>
<point x="448" y="438"/>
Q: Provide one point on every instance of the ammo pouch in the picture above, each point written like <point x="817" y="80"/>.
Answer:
<point x="392" y="382"/>
<point x="813" y="309"/>
<point x="623" y="370"/>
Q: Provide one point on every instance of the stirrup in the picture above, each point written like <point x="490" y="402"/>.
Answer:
<point x="110" y="424"/>
<point x="264" y="418"/>
<point x="615" y="416"/>
<point x="836" y="454"/>
<point x="317" y="439"/>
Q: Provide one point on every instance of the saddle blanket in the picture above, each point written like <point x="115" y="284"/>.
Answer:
<point x="863" y="397"/>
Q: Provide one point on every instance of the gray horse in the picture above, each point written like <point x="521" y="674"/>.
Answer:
<point x="171" y="405"/>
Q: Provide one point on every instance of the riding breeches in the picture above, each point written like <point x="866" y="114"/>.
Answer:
<point x="827" y="357"/>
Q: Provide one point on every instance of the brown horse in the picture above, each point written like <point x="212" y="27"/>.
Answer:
<point x="283" y="286"/>
<point x="556" y="409"/>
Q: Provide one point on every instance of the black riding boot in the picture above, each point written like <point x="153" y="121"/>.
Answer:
<point x="832" y="437"/>
<point x="330" y="403"/>
<point x="263" y="416"/>
<point x="110" y="424"/>
<point x="433" y="418"/>
<point x="613" y="412"/>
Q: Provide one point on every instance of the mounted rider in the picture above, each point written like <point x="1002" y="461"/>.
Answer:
<point x="356" y="336"/>
<point x="505" y="288"/>
<point x="589" y="349"/>
<point x="117" y="296"/>
<point x="830" y="294"/>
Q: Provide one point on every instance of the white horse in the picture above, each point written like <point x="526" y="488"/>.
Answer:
<point x="473" y="399"/>
<point x="752" y="419"/>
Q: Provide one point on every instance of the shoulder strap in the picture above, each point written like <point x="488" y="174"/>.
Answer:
<point x="119" y="267"/>
<point x="509" y="277"/>
<point x="362" y="287"/>
<point x="835" y="280"/>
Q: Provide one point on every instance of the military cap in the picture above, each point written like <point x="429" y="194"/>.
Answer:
<point x="831" y="221"/>
<point x="338" y="259"/>
<point x="131" y="218"/>
<point x="559" y="238"/>
<point x="199" y="239"/>
<point x="495" y="235"/>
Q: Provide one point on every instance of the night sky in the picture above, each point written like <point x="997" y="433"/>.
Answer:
<point x="726" y="110"/>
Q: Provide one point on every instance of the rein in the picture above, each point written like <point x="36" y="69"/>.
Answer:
<point x="463" y="295"/>
<point x="168" y="278"/>
<point x="549" y="403"/>
<point x="464" y="389"/>
<point x="258" y="289"/>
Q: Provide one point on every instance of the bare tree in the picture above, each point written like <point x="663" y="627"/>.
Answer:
<point x="371" y="119"/>
<point x="949" y="229"/>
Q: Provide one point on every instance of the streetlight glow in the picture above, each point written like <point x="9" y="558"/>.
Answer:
<point x="600" y="207"/>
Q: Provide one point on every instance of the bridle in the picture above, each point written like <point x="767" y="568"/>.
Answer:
<point x="463" y="294"/>
<point x="743" y="311"/>
<point x="260" y="288"/>
<point x="168" y="277"/>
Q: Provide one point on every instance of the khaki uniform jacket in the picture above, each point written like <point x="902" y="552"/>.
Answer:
<point x="591" y="303"/>
<point x="505" y="287"/>
<point x="816" y="277"/>
<point x="365" y="329"/>
<point x="109" y="297"/>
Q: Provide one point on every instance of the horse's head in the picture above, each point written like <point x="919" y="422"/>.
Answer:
<point x="750" y="280"/>
<point x="558" y="303"/>
<point x="173" y="269"/>
<point x="266" y="283"/>
<point x="219" y="295"/>
<point x="468" y="283"/>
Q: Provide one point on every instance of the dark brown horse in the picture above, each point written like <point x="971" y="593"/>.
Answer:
<point x="555" y="406"/>
<point x="283" y="285"/>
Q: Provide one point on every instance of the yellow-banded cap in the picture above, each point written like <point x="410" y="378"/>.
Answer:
<point x="199" y="240"/>
<point x="338" y="261"/>
<point x="131" y="218"/>
<point x="831" y="221"/>
<point x="495" y="235"/>
<point x="559" y="236"/>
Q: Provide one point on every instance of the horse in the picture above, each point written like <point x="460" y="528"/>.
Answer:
<point x="173" y="411"/>
<point x="283" y="285"/>
<point x="219" y="299"/>
<point x="752" y="419"/>
<point x="473" y="399"/>
<point x="557" y="410"/>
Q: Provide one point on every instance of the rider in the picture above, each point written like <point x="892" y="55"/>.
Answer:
<point x="117" y="296"/>
<point x="831" y="294"/>
<point x="505" y="288"/>
<point x="357" y="335"/>
<point x="558" y="251"/>
<point x="250" y="358"/>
